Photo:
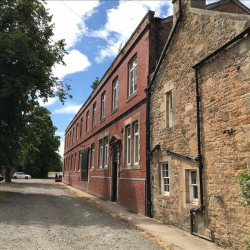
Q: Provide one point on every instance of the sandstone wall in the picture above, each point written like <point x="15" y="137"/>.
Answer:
<point x="199" y="34"/>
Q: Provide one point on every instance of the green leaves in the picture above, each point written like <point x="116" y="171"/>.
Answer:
<point x="244" y="187"/>
<point x="27" y="56"/>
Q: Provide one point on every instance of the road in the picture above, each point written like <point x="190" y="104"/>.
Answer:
<point x="41" y="214"/>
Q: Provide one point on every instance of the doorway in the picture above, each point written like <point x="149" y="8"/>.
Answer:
<point x="114" y="174"/>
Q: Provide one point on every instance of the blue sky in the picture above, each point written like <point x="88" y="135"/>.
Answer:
<point x="93" y="31"/>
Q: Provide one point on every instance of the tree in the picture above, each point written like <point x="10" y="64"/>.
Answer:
<point x="39" y="144"/>
<point x="95" y="83"/>
<point x="27" y="56"/>
<point x="244" y="192"/>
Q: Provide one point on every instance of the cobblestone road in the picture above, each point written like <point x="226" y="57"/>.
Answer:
<point x="40" y="214"/>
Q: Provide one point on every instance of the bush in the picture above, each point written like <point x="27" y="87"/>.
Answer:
<point x="244" y="192"/>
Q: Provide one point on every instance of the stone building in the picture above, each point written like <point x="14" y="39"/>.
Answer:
<point x="105" y="151"/>
<point x="200" y="120"/>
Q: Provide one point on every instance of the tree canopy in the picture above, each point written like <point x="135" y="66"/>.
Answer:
<point x="27" y="57"/>
<point x="39" y="144"/>
<point x="95" y="83"/>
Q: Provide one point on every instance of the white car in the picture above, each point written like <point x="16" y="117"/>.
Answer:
<point x="21" y="175"/>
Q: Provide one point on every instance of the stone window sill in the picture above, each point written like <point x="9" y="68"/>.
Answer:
<point x="114" y="110"/>
<point x="132" y="96"/>
<point x="131" y="167"/>
<point x="102" y="120"/>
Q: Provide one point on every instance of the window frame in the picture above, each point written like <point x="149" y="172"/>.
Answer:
<point x="170" y="109"/>
<point x="133" y="75"/>
<point x="100" y="154"/>
<point x="115" y="94"/>
<point x="191" y="187"/>
<point x="81" y="128"/>
<point x="128" y="144"/>
<point x="163" y="184"/>
<point x="103" y="105"/>
<point x="136" y="145"/>
<point x="92" y="164"/>
<point x="94" y="115"/>
<point x="75" y="162"/>
<point x="87" y="121"/>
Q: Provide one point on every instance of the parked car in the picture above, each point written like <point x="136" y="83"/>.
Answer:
<point x="1" y="177"/>
<point x="21" y="175"/>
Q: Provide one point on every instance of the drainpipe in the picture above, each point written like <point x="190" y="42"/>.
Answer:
<point x="148" y="181"/>
<point x="198" y="99"/>
<point x="147" y="91"/>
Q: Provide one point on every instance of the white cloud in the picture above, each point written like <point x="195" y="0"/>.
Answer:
<point x="70" y="108"/>
<point x="75" y="62"/>
<point x="60" y="134"/>
<point x="122" y="21"/>
<point x="68" y="17"/>
<point x="61" y="148"/>
<point x="51" y="101"/>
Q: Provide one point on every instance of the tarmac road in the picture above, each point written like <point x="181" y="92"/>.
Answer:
<point x="41" y="214"/>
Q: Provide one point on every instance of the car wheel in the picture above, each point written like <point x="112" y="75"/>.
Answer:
<point x="26" y="177"/>
<point x="15" y="177"/>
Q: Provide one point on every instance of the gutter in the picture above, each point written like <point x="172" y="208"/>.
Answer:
<point x="147" y="91"/>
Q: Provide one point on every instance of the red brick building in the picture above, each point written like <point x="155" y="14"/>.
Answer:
<point x="105" y="151"/>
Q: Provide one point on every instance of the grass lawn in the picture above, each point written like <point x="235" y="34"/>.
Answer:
<point x="52" y="174"/>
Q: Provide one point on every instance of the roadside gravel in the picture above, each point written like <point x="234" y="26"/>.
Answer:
<point x="42" y="215"/>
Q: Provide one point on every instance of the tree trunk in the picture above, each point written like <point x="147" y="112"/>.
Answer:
<point x="7" y="175"/>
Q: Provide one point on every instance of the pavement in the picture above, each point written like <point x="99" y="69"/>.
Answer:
<point x="175" y="238"/>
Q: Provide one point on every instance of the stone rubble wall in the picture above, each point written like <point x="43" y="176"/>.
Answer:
<point x="200" y="33"/>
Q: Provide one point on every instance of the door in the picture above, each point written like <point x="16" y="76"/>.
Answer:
<point x="114" y="174"/>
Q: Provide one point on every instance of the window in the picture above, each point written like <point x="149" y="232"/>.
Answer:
<point x="81" y="127"/>
<point x="164" y="178"/>
<point x="70" y="142"/>
<point x="169" y="110"/>
<point x="193" y="186"/>
<point x="71" y="164"/>
<point x="115" y="93"/>
<point x="79" y="163"/>
<point x="136" y="143"/>
<point x="103" y="152"/>
<point x="103" y="105"/>
<point x="94" y="115"/>
<point x="75" y="161"/>
<point x="92" y="155"/>
<point x="77" y="131"/>
<point x="128" y="141"/>
<point x="100" y="153"/>
<point x="106" y="148"/>
<point x="133" y="76"/>
<point x="87" y="122"/>
<point x="73" y="135"/>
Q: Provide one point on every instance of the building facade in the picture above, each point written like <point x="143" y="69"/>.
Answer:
<point x="200" y="118"/>
<point x="105" y="150"/>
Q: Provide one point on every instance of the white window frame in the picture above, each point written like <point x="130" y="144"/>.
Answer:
<point x="94" y="115"/>
<point x="191" y="187"/>
<point x="75" y="161"/>
<point x="103" y="105"/>
<point x="81" y="128"/>
<point x="165" y="176"/>
<point x="115" y="93"/>
<point x="92" y="156"/>
<point x="100" y="154"/>
<point x="87" y="122"/>
<point x="79" y="162"/>
<point x="133" y="76"/>
<point x="128" y="145"/>
<point x="136" y="142"/>
<point x="105" y="153"/>
<point x="170" y="109"/>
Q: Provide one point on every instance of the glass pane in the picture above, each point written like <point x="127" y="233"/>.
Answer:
<point x="136" y="148"/>
<point x="195" y="192"/>
<point x="193" y="177"/>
